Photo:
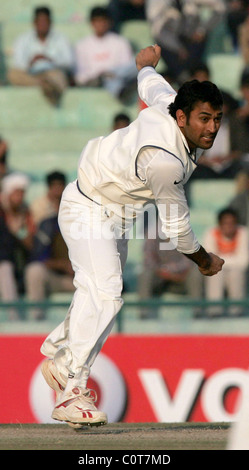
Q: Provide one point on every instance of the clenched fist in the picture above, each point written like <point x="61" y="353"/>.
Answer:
<point x="214" y="267"/>
<point x="148" y="57"/>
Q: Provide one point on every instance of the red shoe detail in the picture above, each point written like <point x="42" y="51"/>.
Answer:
<point x="85" y="413"/>
<point x="64" y="404"/>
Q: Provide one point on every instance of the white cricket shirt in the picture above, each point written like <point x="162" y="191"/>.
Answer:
<point x="147" y="161"/>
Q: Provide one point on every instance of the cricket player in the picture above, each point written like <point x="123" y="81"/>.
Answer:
<point x="150" y="160"/>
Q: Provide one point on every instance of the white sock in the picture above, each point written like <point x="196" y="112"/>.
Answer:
<point x="79" y="380"/>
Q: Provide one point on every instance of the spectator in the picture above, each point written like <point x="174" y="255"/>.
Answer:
<point x="49" y="269"/>
<point x="165" y="270"/>
<point x="17" y="213"/>
<point x="240" y="124"/>
<point x="240" y="203"/>
<point x="126" y="10"/>
<point x="105" y="58"/>
<point x="120" y="120"/>
<point x="229" y="240"/>
<point x="180" y="29"/>
<point x="200" y="71"/>
<point x="16" y="233"/>
<point x="47" y="205"/>
<point x="42" y="57"/>
<point x="8" y="282"/>
<point x="237" y="11"/>
<point x="4" y="170"/>
<point x="243" y="40"/>
<point x="241" y="181"/>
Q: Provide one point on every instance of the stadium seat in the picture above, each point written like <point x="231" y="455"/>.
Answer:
<point x="226" y="71"/>
<point x="208" y="197"/>
<point x="51" y="138"/>
<point x="219" y="41"/>
<point x="63" y="10"/>
<point x="138" y="33"/>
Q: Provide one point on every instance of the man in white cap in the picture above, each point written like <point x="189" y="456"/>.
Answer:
<point x="16" y="232"/>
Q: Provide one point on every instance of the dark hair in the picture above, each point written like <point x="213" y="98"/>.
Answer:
<point x="97" y="12"/>
<point x="193" y="91"/>
<point x="3" y="157"/>
<point x="244" y="80"/>
<point x="55" y="176"/>
<point x="42" y="11"/>
<point x="121" y="117"/>
<point x="227" y="211"/>
<point x="200" y="66"/>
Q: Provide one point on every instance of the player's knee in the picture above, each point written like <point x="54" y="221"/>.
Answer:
<point x="105" y="289"/>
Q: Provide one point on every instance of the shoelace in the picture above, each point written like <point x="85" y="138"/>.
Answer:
<point x="90" y="395"/>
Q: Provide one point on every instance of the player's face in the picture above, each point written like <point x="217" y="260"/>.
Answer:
<point x="201" y="128"/>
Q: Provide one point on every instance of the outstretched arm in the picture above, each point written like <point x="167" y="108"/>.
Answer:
<point x="152" y="87"/>
<point x="160" y="174"/>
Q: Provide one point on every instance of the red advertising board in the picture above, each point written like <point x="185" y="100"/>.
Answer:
<point x="138" y="378"/>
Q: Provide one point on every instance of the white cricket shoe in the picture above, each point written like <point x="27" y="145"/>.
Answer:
<point x="77" y="408"/>
<point x="53" y="378"/>
<point x="56" y="381"/>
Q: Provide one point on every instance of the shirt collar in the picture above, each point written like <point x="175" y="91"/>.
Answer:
<point x="194" y="154"/>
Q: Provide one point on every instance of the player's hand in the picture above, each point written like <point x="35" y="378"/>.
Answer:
<point x="148" y="57"/>
<point x="214" y="267"/>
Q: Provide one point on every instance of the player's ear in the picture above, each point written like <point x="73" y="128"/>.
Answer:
<point x="181" y="118"/>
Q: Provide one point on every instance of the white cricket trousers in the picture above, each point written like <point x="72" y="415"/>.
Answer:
<point x="97" y="259"/>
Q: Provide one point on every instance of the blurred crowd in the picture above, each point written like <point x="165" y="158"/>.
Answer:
<point x="44" y="57"/>
<point x="33" y="257"/>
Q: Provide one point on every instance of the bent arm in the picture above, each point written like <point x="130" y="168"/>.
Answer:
<point x="152" y="87"/>
<point x="161" y="174"/>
